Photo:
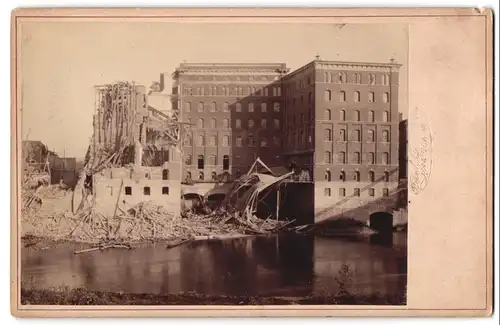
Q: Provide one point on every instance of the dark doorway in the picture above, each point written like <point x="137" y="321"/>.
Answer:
<point x="381" y="222"/>
<point x="225" y="162"/>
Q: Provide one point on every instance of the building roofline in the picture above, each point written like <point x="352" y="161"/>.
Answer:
<point x="373" y="64"/>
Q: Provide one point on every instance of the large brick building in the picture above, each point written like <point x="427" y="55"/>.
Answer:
<point x="235" y="114"/>
<point x="338" y="120"/>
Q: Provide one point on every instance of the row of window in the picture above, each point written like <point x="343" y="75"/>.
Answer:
<point x="232" y="91"/>
<point x="356" y="176"/>
<point x="225" y="107"/>
<point x="356" y="135"/>
<point x="200" y="123"/>
<point x="212" y="161"/>
<point x="356" y="158"/>
<point x="356" y="96"/>
<point x="327" y="115"/>
<point x="357" y="78"/>
<point x="145" y="191"/>
<point x="201" y="176"/>
<point x="250" y="141"/>
<point x="357" y="192"/>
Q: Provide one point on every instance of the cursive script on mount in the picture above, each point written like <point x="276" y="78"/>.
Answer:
<point x="420" y="153"/>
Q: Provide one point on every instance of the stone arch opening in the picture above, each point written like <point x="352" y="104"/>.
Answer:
<point x="381" y="222"/>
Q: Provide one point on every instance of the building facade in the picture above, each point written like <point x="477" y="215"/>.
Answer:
<point x="355" y="133"/>
<point x="339" y="121"/>
<point x="233" y="115"/>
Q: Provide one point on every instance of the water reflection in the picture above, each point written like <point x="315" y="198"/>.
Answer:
<point x="285" y="265"/>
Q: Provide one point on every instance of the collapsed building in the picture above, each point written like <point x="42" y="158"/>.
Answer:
<point x="132" y="156"/>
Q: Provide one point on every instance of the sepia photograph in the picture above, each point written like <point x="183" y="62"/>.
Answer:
<point x="194" y="163"/>
<point x="214" y="164"/>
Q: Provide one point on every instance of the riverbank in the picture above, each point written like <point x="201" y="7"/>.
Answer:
<point x="82" y="296"/>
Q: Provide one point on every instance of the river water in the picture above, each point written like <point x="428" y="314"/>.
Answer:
<point x="284" y="265"/>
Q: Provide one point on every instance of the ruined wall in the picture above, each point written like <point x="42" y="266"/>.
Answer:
<point x="139" y="184"/>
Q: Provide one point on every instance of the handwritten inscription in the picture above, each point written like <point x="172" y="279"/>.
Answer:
<point x="420" y="153"/>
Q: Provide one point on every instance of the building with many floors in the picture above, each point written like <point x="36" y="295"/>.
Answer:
<point x="337" y="120"/>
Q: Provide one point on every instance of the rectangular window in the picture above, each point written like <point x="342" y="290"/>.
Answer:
<point x="147" y="190"/>
<point x="386" y="192"/>
<point x="341" y="192"/>
<point x="128" y="190"/>
<point x="328" y="191"/>
<point x="356" y="192"/>
<point x="371" y="192"/>
<point x="164" y="190"/>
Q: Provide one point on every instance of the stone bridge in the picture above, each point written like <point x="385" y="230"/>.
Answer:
<point x="374" y="213"/>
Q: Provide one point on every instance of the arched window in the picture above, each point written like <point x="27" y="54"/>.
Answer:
<point x="328" y="157"/>
<point x="214" y="176"/>
<point x="328" y="135"/>
<point x="385" y="97"/>
<point x="214" y="91"/>
<point x="187" y="107"/>
<point x="250" y="107"/>
<point x="201" y="140"/>
<point x="212" y="160"/>
<point x="342" y="115"/>
<point x="371" y="136"/>
<point x="188" y="160"/>
<point x="342" y="157"/>
<point x="342" y="135"/>
<point x="263" y="107"/>
<point x="251" y="141"/>
<point x="385" y="136"/>
<point x="357" y="115"/>
<point x="342" y="176"/>
<point x="200" y="106"/>
<point x="357" y="158"/>
<point x="239" y="141"/>
<point x="356" y="96"/>
<point x="238" y="107"/>
<point x="199" y="123"/>
<point x="385" y="158"/>
<point x="213" y="123"/>
<point x="201" y="176"/>
<point x="225" y="123"/>
<point x="371" y="116"/>
<point x="386" y="116"/>
<point x="371" y="175"/>
<point x="250" y="123"/>
<point x="357" y="176"/>
<point x="328" y="95"/>
<point x="371" y="158"/>
<point x="328" y="176"/>
<point x="386" y="176"/>
<point x="356" y="135"/>
<point x="342" y="77"/>
<point x="371" y="79"/>
<point x="164" y="174"/>
<point x="371" y="97"/>
<point x="201" y="162"/>
<point x="342" y="96"/>
<point x="213" y="107"/>
<point x="225" y="107"/>
<point x="225" y="141"/>
<point x="188" y="176"/>
<point x="328" y="114"/>
<point x="213" y="141"/>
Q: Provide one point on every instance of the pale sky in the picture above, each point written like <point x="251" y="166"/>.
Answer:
<point x="60" y="62"/>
